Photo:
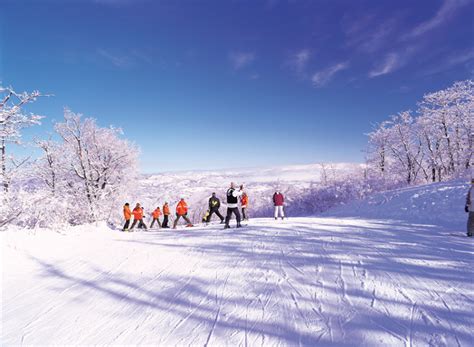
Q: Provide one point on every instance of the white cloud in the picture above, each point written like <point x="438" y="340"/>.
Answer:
<point x="455" y="59"/>
<point x="116" y="60"/>
<point x="367" y="33"/>
<point x="445" y="12"/>
<point x="133" y="58"/>
<point x="322" y="77"/>
<point x="391" y="62"/>
<point x="240" y="60"/>
<point x="254" y="76"/>
<point x="299" y="60"/>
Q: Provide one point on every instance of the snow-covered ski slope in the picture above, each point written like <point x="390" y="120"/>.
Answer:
<point x="360" y="280"/>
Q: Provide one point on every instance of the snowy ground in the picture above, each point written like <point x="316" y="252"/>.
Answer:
<point x="306" y="281"/>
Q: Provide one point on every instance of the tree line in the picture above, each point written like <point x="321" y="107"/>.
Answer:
<point x="432" y="144"/>
<point x="81" y="173"/>
<point x="84" y="171"/>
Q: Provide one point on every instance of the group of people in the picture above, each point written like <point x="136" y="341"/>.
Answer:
<point x="234" y="196"/>
<point x="138" y="214"/>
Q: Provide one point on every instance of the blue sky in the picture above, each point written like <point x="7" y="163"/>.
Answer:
<point x="218" y="84"/>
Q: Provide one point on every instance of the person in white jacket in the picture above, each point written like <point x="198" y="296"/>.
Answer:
<point x="233" y="204"/>
<point x="469" y="208"/>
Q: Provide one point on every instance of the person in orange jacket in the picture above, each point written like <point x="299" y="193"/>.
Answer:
<point x="156" y="217"/>
<point x="182" y="211"/>
<point x="244" y="202"/>
<point x="127" y="215"/>
<point x="166" y="214"/>
<point x="138" y="217"/>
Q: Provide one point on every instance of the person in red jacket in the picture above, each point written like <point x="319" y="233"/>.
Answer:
<point x="278" y="201"/>
<point x="182" y="211"/>
<point x="138" y="217"/>
<point x="156" y="217"/>
<point x="127" y="215"/>
<point x="166" y="214"/>
<point x="244" y="202"/>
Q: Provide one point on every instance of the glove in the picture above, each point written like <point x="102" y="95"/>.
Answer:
<point x="466" y="208"/>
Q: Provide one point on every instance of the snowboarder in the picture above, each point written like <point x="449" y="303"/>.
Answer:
<point x="469" y="208"/>
<point x="166" y="214"/>
<point x="244" y="202"/>
<point x="182" y="211"/>
<point x="278" y="201"/>
<point x="232" y="205"/>
<point x="156" y="217"/>
<point x="128" y="215"/>
<point x="138" y="217"/>
<point x="214" y="205"/>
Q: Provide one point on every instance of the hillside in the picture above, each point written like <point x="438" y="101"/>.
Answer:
<point x="358" y="278"/>
<point x="438" y="203"/>
<point x="261" y="183"/>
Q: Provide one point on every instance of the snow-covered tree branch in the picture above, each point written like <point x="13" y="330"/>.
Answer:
<point x="12" y="121"/>
<point x="434" y="144"/>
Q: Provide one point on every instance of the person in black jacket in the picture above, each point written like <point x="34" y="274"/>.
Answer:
<point x="232" y="204"/>
<point x="214" y="205"/>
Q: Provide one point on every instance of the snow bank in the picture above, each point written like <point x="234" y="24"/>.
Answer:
<point x="438" y="203"/>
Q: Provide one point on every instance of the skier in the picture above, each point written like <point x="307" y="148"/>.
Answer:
<point x="469" y="208"/>
<point x="138" y="217"/>
<point x="156" y="217"/>
<point x="278" y="201"/>
<point x="142" y="224"/>
<point x="214" y="205"/>
<point x="182" y="211"/>
<point x="232" y="205"/>
<point x="166" y="214"/>
<point x="128" y="215"/>
<point x="244" y="202"/>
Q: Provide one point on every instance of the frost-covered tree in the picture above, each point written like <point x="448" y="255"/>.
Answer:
<point x="13" y="120"/>
<point x="449" y="114"/>
<point x="49" y="167"/>
<point x="436" y="141"/>
<point x="378" y="148"/>
<point x="100" y="164"/>
<point x="404" y="146"/>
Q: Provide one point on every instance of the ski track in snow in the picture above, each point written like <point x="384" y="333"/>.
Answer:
<point x="300" y="282"/>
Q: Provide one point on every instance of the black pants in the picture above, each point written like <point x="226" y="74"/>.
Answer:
<point x="141" y="225"/>
<point x="244" y="216"/>
<point x="234" y="210"/>
<point x="216" y="211"/>
<point x="165" y="221"/>
<point x="153" y="222"/>
<point x="127" y="224"/>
